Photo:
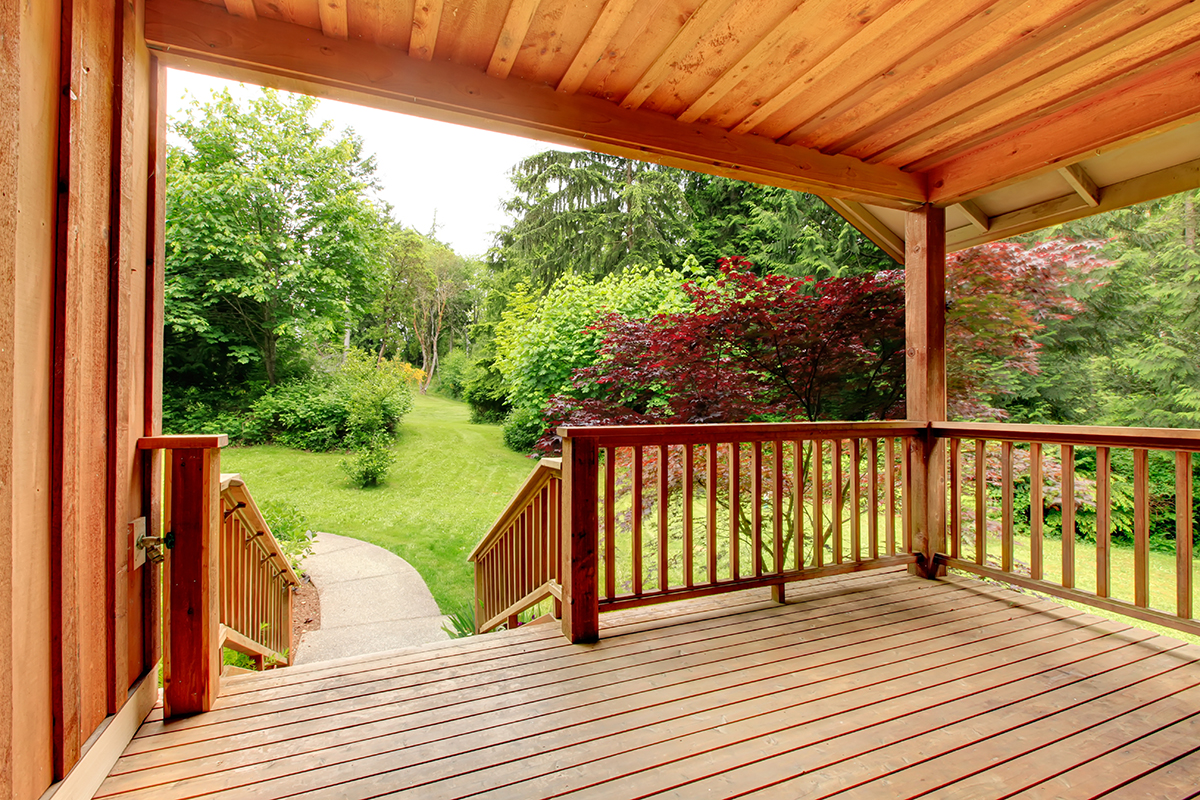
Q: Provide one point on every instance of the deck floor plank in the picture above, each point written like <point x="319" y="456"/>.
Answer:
<point x="870" y="685"/>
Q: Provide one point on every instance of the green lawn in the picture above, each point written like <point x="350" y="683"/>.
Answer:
<point x="450" y="482"/>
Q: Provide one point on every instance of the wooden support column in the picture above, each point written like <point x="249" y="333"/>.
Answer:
<point x="192" y="667"/>
<point x="925" y="332"/>
<point x="580" y="524"/>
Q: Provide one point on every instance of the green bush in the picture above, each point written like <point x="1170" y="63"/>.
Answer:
<point x="289" y="526"/>
<point x="344" y="409"/>
<point x="370" y="465"/>
<point x="485" y="392"/>
<point x="522" y="428"/>
<point x="452" y="373"/>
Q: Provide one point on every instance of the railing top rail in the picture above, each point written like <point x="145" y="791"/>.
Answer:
<point x="1083" y="435"/>
<point x="234" y="488"/>
<point x="546" y="468"/>
<point x="183" y="442"/>
<point x="629" y="435"/>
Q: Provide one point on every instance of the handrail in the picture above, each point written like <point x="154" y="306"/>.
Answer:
<point x="1009" y="464"/>
<point x="256" y="580"/>
<point x="518" y="562"/>
<point x="630" y="435"/>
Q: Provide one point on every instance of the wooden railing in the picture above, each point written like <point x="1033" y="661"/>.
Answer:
<point x="256" y="581"/>
<point x="218" y="591"/>
<point x="1005" y="481"/>
<point x="656" y="513"/>
<point x="519" y="563"/>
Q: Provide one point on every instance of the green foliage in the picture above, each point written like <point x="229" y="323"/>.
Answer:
<point x="289" y="526"/>
<point x="485" y="391"/>
<point x="543" y="340"/>
<point x="522" y="429"/>
<point x="453" y="372"/>
<point x="344" y="409"/>
<point x="270" y="227"/>
<point x="370" y="464"/>
<point x="461" y="623"/>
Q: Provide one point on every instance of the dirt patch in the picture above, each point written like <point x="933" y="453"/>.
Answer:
<point x="306" y="610"/>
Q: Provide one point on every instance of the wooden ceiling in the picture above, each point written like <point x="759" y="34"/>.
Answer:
<point x="1012" y="113"/>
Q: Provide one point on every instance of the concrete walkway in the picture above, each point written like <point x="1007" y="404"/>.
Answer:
<point x="371" y="601"/>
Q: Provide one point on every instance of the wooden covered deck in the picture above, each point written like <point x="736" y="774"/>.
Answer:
<point x="869" y="685"/>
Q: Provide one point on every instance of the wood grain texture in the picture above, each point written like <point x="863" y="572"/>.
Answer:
<point x="581" y="611"/>
<point x="288" y="56"/>
<point x="516" y="26"/>
<point x="427" y="19"/>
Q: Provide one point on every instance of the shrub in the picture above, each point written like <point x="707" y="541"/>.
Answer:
<point x="289" y="526"/>
<point x="370" y="465"/>
<point x="485" y="392"/>
<point x="522" y="429"/>
<point x="452" y="373"/>
<point x="347" y="408"/>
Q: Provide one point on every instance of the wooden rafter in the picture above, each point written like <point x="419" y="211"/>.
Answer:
<point x="516" y="27"/>
<point x="1128" y="112"/>
<point x="697" y="25"/>
<point x="870" y="226"/>
<point x="611" y="17"/>
<point x="241" y="8"/>
<point x="333" y="18"/>
<point x="1121" y="62"/>
<point x="207" y="39"/>
<point x="427" y="18"/>
<point x="1078" y="179"/>
<point x="975" y="215"/>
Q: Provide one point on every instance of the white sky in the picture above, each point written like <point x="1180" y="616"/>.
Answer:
<point x="459" y="173"/>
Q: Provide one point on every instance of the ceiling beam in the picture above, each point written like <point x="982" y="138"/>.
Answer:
<point x="427" y="19"/>
<point x="1056" y="211"/>
<point x="698" y="24"/>
<point x="870" y="226"/>
<point x="516" y="28"/>
<point x="333" y="18"/>
<point x="975" y="215"/>
<point x="204" y="38"/>
<point x="1157" y="102"/>
<point x="1078" y="179"/>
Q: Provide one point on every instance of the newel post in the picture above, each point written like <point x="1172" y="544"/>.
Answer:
<point x="580" y="524"/>
<point x="925" y="334"/>
<point x="191" y="647"/>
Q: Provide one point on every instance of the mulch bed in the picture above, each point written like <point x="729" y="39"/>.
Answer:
<point x="306" y="610"/>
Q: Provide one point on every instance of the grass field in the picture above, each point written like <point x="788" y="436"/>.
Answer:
<point x="450" y="482"/>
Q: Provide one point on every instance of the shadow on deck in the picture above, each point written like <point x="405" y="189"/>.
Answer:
<point x="874" y="685"/>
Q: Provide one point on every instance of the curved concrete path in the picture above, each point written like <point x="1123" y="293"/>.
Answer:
<point x="371" y="601"/>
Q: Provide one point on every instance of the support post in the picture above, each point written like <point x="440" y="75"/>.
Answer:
<point x="580" y="524"/>
<point x="925" y="334"/>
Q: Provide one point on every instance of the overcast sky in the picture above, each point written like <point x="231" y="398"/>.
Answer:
<point x="423" y="166"/>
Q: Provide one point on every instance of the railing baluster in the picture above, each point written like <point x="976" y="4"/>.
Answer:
<point x="798" y="502"/>
<point x="905" y="500"/>
<point x="980" y="501"/>
<point x="610" y="530"/>
<point x="710" y="498"/>
<point x="1103" y="522"/>
<point x="663" y="514"/>
<point x="1183" y="535"/>
<point x="735" y="510"/>
<point x="1068" y="516"/>
<point x="1141" y="528"/>
<point x="889" y="525"/>
<point x="1006" y="508"/>
<point x="636" y="515"/>
<point x="756" y="503"/>
<point x="1037" y="510"/>
<point x="777" y="505"/>
<point x="955" y="496"/>
<point x="873" y="492"/>
<point x="855" y="501"/>
<point x="838" y="544"/>
<point x="818" y="473"/>
<point x="689" y="499"/>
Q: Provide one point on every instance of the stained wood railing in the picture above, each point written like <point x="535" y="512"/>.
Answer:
<point x="1005" y="482"/>
<point x="657" y="513"/>
<point x="256" y="581"/>
<point x="518" y="564"/>
<point x="218" y="591"/>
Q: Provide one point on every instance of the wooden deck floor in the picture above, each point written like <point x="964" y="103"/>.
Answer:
<point x="870" y="686"/>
